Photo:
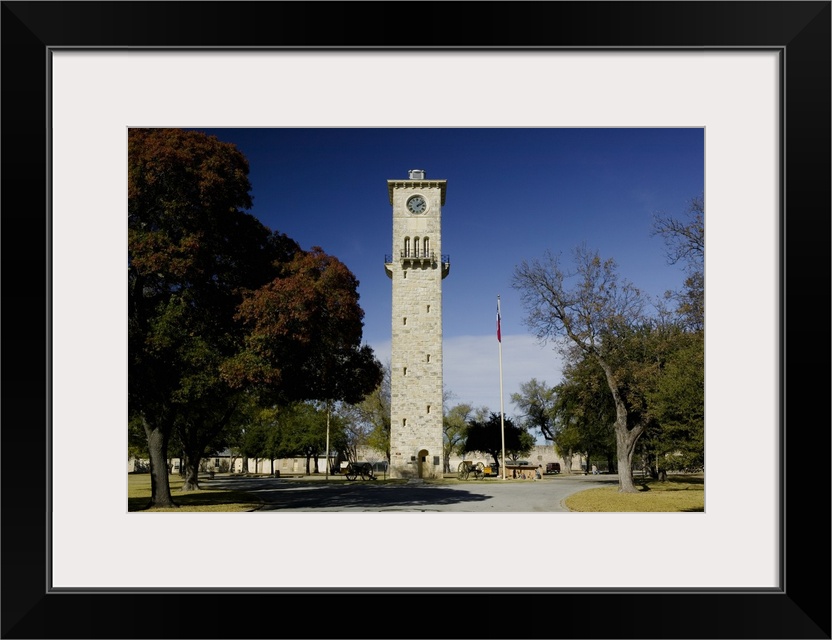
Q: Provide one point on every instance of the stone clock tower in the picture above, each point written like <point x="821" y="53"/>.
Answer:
<point x="417" y="268"/>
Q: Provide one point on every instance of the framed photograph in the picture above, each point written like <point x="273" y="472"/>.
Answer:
<point x="755" y="76"/>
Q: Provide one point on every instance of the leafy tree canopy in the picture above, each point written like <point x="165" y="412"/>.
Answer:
<point x="486" y="436"/>
<point x="220" y="306"/>
<point x="536" y="401"/>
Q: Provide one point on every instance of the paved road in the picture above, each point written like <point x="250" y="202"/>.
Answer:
<point x="489" y="495"/>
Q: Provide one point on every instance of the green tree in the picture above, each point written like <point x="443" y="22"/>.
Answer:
<point x="536" y="403"/>
<point x="303" y="432"/>
<point x="264" y="435"/>
<point x="455" y="428"/>
<point x="204" y="283"/>
<point x="591" y="307"/>
<point x="676" y="439"/>
<point x="486" y="436"/>
<point x="585" y="413"/>
<point x="659" y="369"/>
<point x="678" y="397"/>
<point x="136" y="442"/>
<point x="185" y="192"/>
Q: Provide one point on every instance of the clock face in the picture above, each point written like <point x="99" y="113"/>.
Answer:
<point x="416" y="204"/>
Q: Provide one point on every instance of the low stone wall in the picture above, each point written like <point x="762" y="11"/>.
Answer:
<point x="525" y="472"/>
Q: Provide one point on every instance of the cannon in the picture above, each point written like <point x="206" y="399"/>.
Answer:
<point x="355" y="469"/>
<point x="467" y="468"/>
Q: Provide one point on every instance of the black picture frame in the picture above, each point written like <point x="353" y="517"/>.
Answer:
<point x="800" y="31"/>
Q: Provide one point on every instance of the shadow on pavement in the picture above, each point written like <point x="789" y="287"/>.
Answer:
<point x="339" y="496"/>
<point x="367" y="496"/>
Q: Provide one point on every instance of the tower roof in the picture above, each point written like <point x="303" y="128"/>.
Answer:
<point x="413" y="184"/>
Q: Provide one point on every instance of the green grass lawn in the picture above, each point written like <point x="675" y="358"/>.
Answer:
<point x="678" y="493"/>
<point x="206" y="499"/>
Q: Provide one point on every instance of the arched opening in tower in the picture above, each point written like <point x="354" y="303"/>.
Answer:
<point x="423" y="463"/>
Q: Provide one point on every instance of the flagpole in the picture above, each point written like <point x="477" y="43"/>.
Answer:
<point x="502" y="419"/>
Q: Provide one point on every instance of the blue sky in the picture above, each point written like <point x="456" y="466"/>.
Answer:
<point x="512" y="194"/>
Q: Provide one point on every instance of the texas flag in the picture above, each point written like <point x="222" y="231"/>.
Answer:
<point x="499" y="337"/>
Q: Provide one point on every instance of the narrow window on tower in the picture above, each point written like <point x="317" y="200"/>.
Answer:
<point x="428" y="408"/>
<point x="427" y="247"/>
<point x="404" y="422"/>
<point x="428" y="359"/>
<point x="407" y="247"/>
<point x="415" y="247"/>
<point x="428" y="308"/>
<point x="404" y="274"/>
<point x="404" y="371"/>
<point x="404" y="320"/>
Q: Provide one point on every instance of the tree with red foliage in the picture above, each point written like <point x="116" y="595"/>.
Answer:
<point x="222" y="310"/>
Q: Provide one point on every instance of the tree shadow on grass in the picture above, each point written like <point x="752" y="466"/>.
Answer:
<point x="197" y="499"/>
<point x="673" y="483"/>
<point x="687" y="479"/>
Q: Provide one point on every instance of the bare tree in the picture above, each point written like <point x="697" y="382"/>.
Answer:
<point x="684" y="238"/>
<point x="372" y="415"/>
<point x="594" y="309"/>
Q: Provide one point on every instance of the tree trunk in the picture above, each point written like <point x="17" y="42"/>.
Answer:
<point x="626" y="445"/>
<point x="159" y="481"/>
<point x="191" y="465"/>
<point x="625" y="439"/>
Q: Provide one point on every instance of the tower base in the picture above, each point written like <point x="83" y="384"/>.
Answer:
<point x="423" y="465"/>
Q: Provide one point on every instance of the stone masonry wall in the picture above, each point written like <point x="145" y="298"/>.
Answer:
<point x="416" y="351"/>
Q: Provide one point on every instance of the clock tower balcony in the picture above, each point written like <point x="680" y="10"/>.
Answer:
<point x="418" y="258"/>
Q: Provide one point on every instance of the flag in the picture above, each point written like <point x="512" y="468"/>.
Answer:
<point x="499" y="338"/>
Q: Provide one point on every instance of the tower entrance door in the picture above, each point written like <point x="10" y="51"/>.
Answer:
<point x="423" y="469"/>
